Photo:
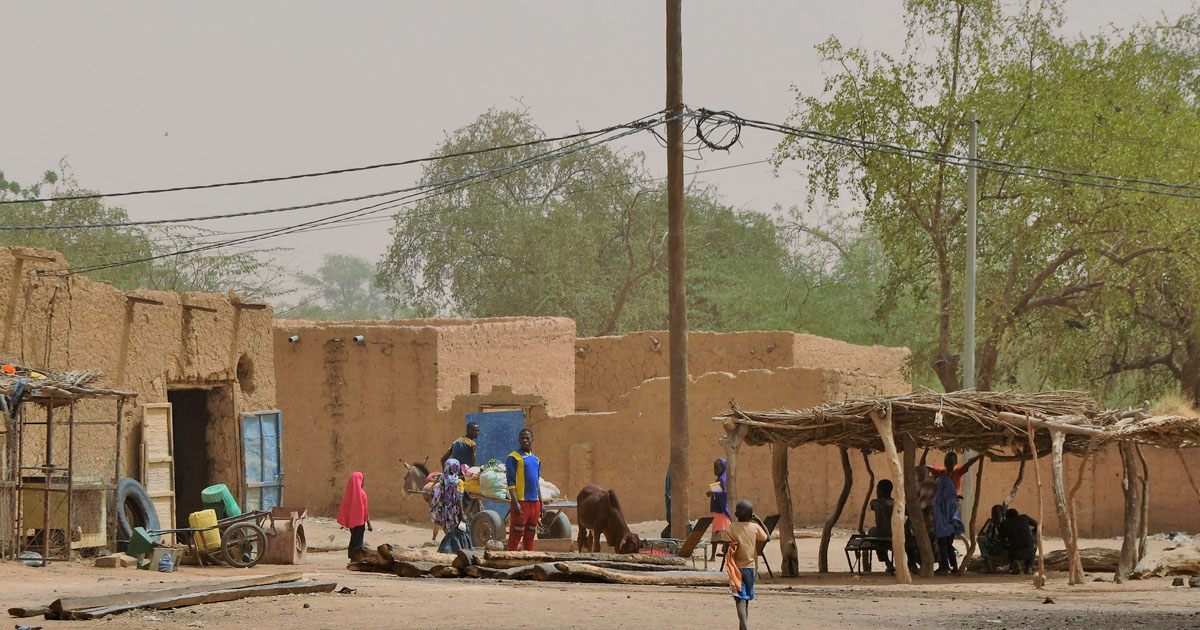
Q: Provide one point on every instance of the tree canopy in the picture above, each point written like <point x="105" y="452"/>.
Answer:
<point x="582" y="236"/>
<point x="1113" y="103"/>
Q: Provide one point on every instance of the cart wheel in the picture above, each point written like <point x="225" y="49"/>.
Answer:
<point x="243" y="545"/>
<point x="486" y="525"/>
<point x="555" y="524"/>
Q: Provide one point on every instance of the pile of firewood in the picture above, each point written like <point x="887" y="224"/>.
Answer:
<point x="545" y="566"/>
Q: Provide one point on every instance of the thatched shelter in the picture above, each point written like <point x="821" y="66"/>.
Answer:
<point x="1003" y="426"/>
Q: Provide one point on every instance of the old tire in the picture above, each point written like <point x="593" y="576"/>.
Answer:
<point x="243" y="545"/>
<point x="134" y="509"/>
<point x="486" y="525"/>
<point x="555" y="524"/>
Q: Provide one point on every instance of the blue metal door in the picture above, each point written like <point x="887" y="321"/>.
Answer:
<point x="262" y="443"/>
<point x="497" y="434"/>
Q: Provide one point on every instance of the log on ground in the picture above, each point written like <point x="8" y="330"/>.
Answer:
<point x="509" y="559"/>
<point x="403" y="568"/>
<point x="210" y="597"/>
<point x="654" y="578"/>
<point x="66" y="604"/>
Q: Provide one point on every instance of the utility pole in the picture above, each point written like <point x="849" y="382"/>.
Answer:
<point x="968" y="363"/>
<point x="968" y="369"/>
<point x="676" y="257"/>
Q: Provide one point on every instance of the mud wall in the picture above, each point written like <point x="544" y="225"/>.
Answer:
<point x="890" y="363"/>
<point x="535" y="355"/>
<point x="606" y="368"/>
<point x="144" y="344"/>
<point x="354" y="406"/>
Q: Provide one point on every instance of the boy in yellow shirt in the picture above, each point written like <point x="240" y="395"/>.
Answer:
<point x="743" y="537"/>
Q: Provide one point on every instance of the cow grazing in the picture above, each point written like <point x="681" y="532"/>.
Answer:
<point x="600" y="512"/>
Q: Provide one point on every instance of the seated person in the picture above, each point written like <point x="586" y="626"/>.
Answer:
<point x="991" y="541"/>
<point x="1020" y="539"/>
<point x="882" y="506"/>
<point x="910" y="539"/>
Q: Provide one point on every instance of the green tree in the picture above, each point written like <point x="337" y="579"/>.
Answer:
<point x="343" y="288"/>
<point x="582" y="236"/>
<point x="1045" y="248"/>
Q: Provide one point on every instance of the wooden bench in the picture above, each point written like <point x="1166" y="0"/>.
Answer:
<point x="859" y="550"/>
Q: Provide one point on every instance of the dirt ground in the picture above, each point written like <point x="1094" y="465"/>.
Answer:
<point x="838" y="599"/>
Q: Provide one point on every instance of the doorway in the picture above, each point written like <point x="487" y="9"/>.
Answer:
<point x="191" y="418"/>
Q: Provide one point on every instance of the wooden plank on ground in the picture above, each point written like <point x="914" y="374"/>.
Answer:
<point x="656" y="578"/>
<point x="211" y="597"/>
<point x="28" y="611"/>
<point x="78" y="603"/>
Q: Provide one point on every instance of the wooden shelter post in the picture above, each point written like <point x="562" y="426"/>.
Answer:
<point x="732" y="441"/>
<point x="862" y="516"/>
<point x="827" y="531"/>
<point x="1144" y="519"/>
<point x="1188" y="470"/>
<point x="1131" y="485"/>
<point x="1065" y="518"/>
<point x="1039" y="580"/>
<point x="1078" y="565"/>
<point x="1012" y="494"/>
<point x="972" y="542"/>
<point x="883" y="424"/>
<point x="913" y="506"/>
<point x="790" y="564"/>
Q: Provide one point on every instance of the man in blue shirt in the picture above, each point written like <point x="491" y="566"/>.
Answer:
<point x="523" y="470"/>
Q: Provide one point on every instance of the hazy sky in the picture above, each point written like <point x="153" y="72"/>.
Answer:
<point x="153" y="94"/>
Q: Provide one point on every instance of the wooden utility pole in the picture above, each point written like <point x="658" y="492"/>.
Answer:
<point x="676" y="255"/>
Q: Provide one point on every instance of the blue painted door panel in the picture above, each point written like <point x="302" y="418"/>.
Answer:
<point x="262" y="449"/>
<point x="497" y="434"/>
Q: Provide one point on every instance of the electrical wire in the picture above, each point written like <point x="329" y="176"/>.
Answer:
<point x="340" y="171"/>
<point x="998" y="166"/>
<point x="416" y="191"/>
<point x="640" y="124"/>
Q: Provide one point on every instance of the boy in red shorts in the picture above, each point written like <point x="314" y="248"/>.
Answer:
<point x="523" y="470"/>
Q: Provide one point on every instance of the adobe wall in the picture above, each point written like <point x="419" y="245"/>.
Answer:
<point x="348" y="406"/>
<point x="72" y="323"/>
<point x="608" y="367"/>
<point x="534" y="355"/>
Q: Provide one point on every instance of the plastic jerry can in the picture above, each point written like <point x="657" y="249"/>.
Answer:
<point x="208" y="539"/>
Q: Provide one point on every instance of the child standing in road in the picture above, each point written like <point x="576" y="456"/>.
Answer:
<point x="353" y="514"/>
<point x="523" y="469"/>
<point x="718" y="504"/>
<point x="742" y="538"/>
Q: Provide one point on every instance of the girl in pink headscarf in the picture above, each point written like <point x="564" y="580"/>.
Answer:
<point x="353" y="513"/>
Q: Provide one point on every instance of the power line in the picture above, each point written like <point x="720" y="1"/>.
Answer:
<point x="639" y="125"/>
<point x="998" y="166"/>
<point x="340" y="171"/>
<point x="424" y="189"/>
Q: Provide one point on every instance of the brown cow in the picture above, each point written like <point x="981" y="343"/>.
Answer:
<point x="600" y="512"/>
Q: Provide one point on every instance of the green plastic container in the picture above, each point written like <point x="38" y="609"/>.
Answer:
<point x="218" y="497"/>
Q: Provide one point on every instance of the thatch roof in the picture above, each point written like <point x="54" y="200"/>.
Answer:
<point x="45" y="385"/>
<point x="979" y="421"/>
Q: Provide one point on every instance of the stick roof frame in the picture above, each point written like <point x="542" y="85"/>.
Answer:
<point x="986" y="422"/>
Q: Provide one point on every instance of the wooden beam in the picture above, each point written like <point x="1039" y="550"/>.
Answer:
<point x="972" y="542"/>
<point x="920" y="531"/>
<point x="1133" y="508"/>
<point x="1039" y="580"/>
<point x="197" y="307"/>
<point x="1071" y="501"/>
<point x="1012" y="494"/>
<point x="25" y="256"/>
<point x="134" y="299"/>
<point x="827" y="531"/>
<point x="1143" y="530"/>
<point x="1057" y="438"/>
<point x="211" y="597"/>
<point x="1022" y="422"/>
<point x="862" y="516"/>
<point x="790" y="563"/>
<point x="732" y="441"/>
<point x="65" y="604"/>
<point x="250" y="306"/>
<point x="883" y="424"/>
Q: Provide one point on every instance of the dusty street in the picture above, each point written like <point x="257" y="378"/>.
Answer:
<point x="835" y="600"/>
